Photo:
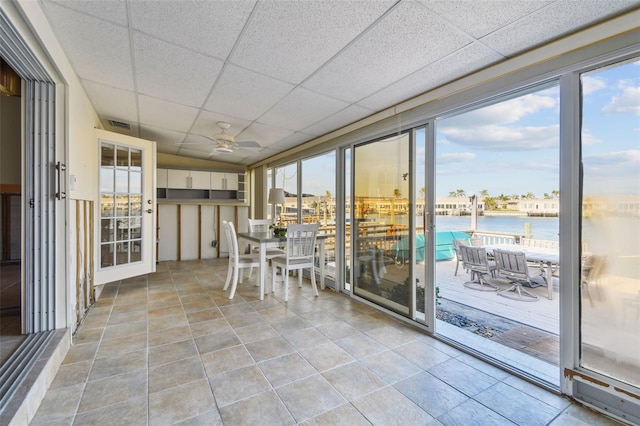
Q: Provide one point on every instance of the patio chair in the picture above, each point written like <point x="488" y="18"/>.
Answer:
<point x="513" y="265"/>
<point x="474" y="259"/>
<point x="299" y="254"/>
<point x="236" y="261"/>
<point x="456" y="247"/>
<point x="593" y="267"/>
<point x="263" y="225"/>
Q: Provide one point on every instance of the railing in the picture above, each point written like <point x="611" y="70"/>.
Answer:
<point x="482" y="238"/>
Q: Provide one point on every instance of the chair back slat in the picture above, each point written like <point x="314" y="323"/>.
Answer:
<point x="260" y="225"/>
<point x="232" y="239"/>
<point x="512" y="264"/>
<point x="301" y="240"/>
<point x="474" y="258"/>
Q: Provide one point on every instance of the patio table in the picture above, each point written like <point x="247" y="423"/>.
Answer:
<point x="265" y="238"/>
<point x="547" y="257"/>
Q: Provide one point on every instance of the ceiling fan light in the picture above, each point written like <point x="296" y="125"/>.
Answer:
<point x="222" y="150"/>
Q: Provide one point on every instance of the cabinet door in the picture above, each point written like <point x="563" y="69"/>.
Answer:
<point x="177" y="179"/>
<point x="161" y="178"/>
<point x="232" y="181"/>
<point x="200" y="180"/>
<point x="217" y="180"/>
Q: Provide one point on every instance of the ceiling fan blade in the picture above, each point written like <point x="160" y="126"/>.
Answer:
<point x="248" y="144"/>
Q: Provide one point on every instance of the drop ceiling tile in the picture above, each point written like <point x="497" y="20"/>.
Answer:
<point x="291" y="141"/>
<point x="198" y="143"/>
<point x="186" y="77"/>
<point x="464" y="61"/>
<point x="300" y="109"/>
<point x="193" y="153"/>
<point x="109" y="10"/>
<point x="98" y="51"/>
<point x="340" y="119"/>
<point x="117" y="103"/>
<point x="479" y="18"/>
<point x="205" y="124"/>
<point x="168" y="149"/>
<point x="210" y="27"/>
<point x="560" y="18"/>
<point x="245" y="94"/>
<point x="162" y="136"/>
<point x="167" y="115"/>
<point x="290" y="39"/>
<point x="263" y="134"/>
<point x="406" y="40"/>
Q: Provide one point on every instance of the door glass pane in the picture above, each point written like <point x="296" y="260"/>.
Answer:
<point x="610" y="287"/>
<point x="122" y="157"/>
<point x="380" y="236"/>
<point x="107" y="155"/>
<point x="121" y="196"/>
<point x="422" y="235"/>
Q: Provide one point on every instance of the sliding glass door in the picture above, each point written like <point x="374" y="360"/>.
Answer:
<point x="381" y="244"/>
<point x="610" y="258"/>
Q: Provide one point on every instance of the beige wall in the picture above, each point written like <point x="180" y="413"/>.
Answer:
<point x="10" y="140"/>
<point x="168" y="160"/>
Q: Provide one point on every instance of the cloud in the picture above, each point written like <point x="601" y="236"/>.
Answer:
<point x="502" y="113"/>
<point x="627" y="102"/>
<point x="614" y="159"/>
<point x="592" y="84"/>
<point x="455" y="157"/>
<point x="501" y="138"/>
<point x="588" y="138"/>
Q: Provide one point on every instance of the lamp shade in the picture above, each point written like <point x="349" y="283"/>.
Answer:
<point x="276" y="196"/>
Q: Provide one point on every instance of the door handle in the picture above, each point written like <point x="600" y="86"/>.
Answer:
<point x="59" y="169"/>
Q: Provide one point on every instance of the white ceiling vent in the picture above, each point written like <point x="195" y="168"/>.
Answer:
<point x="120" y="124"/>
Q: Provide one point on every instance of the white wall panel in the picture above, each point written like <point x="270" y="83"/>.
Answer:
<point x="188" y="232"/>
<point x="208" y="231"/>
<point x="168" y="232"/>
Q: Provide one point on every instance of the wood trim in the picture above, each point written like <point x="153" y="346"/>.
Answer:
<point x="85" y="263"/>
<point x="179" y="215"/>
<point x="78" y="314"/>
<point x="217" y="220"/>
<point x="199" y="232"/>
<point x="92" y="286"/>
<point x="10" y="188"/>
<point x="157" y="232"/>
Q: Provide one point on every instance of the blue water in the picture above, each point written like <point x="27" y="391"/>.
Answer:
<point x="542" y="228"/>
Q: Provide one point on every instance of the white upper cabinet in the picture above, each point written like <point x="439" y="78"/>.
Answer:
<point x="187" y="179"/>
<point x="178" y="179"/>
<point x="217" y="180"/>
<point x="162" y="178"/>
<point x="200" y="180"/>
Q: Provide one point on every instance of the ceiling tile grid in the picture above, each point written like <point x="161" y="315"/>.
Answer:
<point x="245" y="94"/>
<point x="404" y="41"/>
<point x="186" y="78"/>
<point x="98" y="50"/>
<point x="283" y="72"/>
<point x="289" y="40"/>
<point x="209" y="27"/>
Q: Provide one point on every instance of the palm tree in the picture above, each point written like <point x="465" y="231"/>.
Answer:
<point x="396" y="193"/>
<point x="484" y="193"/>
<point x="460" y="193"/>
<point x="556" y="193"/>
<point x="489" y="203"/>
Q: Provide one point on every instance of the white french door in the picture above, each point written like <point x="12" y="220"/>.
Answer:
<point x="126" y="218"/>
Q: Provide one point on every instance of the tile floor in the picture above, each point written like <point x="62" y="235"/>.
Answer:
<point x="171" y="348"/>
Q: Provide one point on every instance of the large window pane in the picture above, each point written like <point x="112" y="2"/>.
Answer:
<point x="287" y="178"/>
<point x="610" y="290"/>
<point x="497" y="181"/>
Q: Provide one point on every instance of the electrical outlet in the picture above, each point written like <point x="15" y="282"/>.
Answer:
<point x="214" y="243"/>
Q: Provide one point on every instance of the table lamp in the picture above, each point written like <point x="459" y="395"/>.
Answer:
<point x="276" y="196"/>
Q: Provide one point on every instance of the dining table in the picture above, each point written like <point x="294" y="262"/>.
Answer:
<point x="548" y="258"/>
<point x="266" y="240"/>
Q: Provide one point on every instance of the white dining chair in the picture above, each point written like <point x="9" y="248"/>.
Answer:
<point x="299" y="254"/>
<point x="237" y="261"/>
<point x="264" y="225"/>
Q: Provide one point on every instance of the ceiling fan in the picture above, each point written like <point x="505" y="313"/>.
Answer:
<point x="225" y="143"/>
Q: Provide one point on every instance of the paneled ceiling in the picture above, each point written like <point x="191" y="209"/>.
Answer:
<point x="285" y="72"/>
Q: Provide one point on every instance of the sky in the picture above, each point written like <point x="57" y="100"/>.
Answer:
<point x="512" y="147"/>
